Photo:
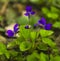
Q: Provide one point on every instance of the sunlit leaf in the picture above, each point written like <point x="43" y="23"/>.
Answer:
<point x="43" y="57"/>
<point x="3" y="50"/>
<point x="49" y="42"/>
<point x="56" y="25"/>
<point x="54" y="9"/>
<point x="57" y="58"/>
<point x="25" y="46"/>
<point x="45" y="33"/>
<point x="11" y="44"/>
<point x="51" y="57"/>
<point x="45" y="10"/>
<point x="25" y="33"/>
<point x="33" y="57"/>
<point x="52" y="15"/>
<point x="7" y="54"/>
<point x="33" y="35"/>
<point x="54" y="58"/>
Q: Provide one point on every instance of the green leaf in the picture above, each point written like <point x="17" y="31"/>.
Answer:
<point x="13" y="53"/>
<point x="42" y="46"/>
<point x="25" y="33"/>
<point x="11" y="44"/>
<point x="56" y="25"/>
<point x="43" y="57"/>
<point x="19" y="58"/>
<point x="33" y="20"/>
<point x="2" y="48"/>
<point x="54" y="9"/>
<point x="33" y="57"/>
<point x="57" y="58"/>
<point x="25" y="46"/>
<point x="33" y="35"/>
<point x="52" y="15"/>
<point x="55" y="50"/>
<point x="7" y="54"/>
<point x="49" y="42"/>
<point x="35" y="54"/>
<point x="54" y="58"/>
<point x="22" y="20"/>
<point x="51" y="57"/>
<point x="45" y="33"/>
<point x="45" y="10"/>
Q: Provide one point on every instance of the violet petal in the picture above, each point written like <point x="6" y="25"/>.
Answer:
<point x="42" y="21"/>
<point x="10" y="33"/>
<point x="28" y="8"/>
<point x="32" y="13"/>
<point x="48" y="26"/>
<point x="35" y="25"/>
<point x="26" y="27"/>
<point x="16" y="28"/>
<point x="26" y="14"/>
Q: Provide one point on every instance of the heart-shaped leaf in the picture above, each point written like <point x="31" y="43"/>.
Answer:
<point x="25" y="46"/>
<point x="49" y="42"/>
<point x="45" y="33"/>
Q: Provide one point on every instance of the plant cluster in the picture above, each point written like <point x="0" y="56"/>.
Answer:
<point x="34" y="42"/>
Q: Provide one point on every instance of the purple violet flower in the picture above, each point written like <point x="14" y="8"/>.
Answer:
<point x="48" y="26"/>
<point x="28" y="8"/>
<point x="35" y="25"/>
<point x="11" y="33"/>
<point x="27" y="27"/>
<point x="16" y="27"/>
<point x="29" y="11"/>
<point x="43" y="23"/>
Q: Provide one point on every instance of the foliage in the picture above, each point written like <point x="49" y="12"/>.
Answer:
<point x="35" y="43"/>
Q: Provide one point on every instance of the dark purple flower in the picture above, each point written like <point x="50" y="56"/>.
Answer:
<point x="27" y="14"/>
<point x="32" y="13"/>
<point x="48" y="26"/>
<point x="29" y="11"/>
<point x="27" y="27"/>
<point x="10" y="33"/>
<point x="28" y="8"/>
<point x="42" y="21"/>
<point x="16" y="28"/>
<point x="35" y="25"/>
